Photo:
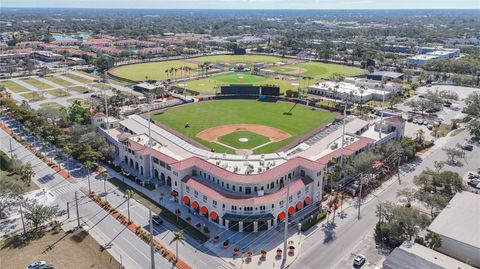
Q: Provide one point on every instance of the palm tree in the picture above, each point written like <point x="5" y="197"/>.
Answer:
<point x="67" y="151"/>
<point x="129" y="194"/>
<point x="104" y="176"/>
<point x="27" y="173"/>
<point x="177" y="237"/>
<point x="420" y="135"/>
<point x="89" y="166"/>
<point x="433" y="240"/>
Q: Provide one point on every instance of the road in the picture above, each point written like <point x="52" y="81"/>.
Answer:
<point x="325" y="248"/>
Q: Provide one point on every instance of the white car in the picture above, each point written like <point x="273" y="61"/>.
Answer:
<point x="359" y="260"/>
<point x="36" y="265"/>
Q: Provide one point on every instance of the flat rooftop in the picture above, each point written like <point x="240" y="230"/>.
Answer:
<point x="460" y="219"/>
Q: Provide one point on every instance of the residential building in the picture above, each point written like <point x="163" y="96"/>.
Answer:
<point x="47" y="56"/>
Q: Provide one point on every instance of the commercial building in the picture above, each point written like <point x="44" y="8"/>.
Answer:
<point x="409" y="256"/>
<point x="458" y="226"/>
<point x="47" y="56"/>
<point x="356" y="89"/>
<point x="238" y="192"/>
<point x="385" y="75"/>
<point x="426" y="54"/>
<point x="397" y="48"/>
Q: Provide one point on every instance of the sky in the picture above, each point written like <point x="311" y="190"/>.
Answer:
<point x="249" y="4"/>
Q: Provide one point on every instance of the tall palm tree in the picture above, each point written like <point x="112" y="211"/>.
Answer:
<point x="177" y="237"/>
<point x="129" y="194"/>
<point x="104" y="176"/>
<point x="89" y="166"/>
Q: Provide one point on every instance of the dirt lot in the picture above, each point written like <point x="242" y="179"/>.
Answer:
<point x="77" y="250"/>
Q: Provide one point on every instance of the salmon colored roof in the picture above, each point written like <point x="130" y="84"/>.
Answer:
<point x="395" y="119"/>
<point x="274" y="172"/>
<point x="135" y="146"/>
<point x="215" y="194"/>
<point x="347" y="150"/>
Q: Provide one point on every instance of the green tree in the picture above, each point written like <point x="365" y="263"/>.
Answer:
<point x="27" y="173"/>
<point x="407" y="196"/>
<point x="103" y="63"/>
<point x="89" y="166"/>
<point x="77" y="113"/>
<point x="433" y="240"/>
<point x="37" y="213"/>
<point x="472" y="108"/>
<point x="177" y="237"/>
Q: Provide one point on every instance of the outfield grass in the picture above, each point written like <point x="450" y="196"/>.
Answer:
<point x="32" y="96"/>
<point x="14" y="87"/>
<point x="233" y="140"/>
<point x="51" y="105"/>
<point x="78" y="78"/>
<point x="79" y="89"/>
<point x="59" y="81"/>
<point x="155" y="70"/>
<point x="247" y="59"/>
<point x="204" y="115"/>
<point x="37" y="83"/>
<point x="212" y="84"/>
<point x="321" y="70"/>
<point x="58" y="92"/>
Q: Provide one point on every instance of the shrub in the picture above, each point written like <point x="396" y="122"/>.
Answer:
<point x="313" y="220"/>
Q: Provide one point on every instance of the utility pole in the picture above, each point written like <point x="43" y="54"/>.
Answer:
<point x="343" y="138"/>
<point x="23" y="221"/>
<point x="152" y="251"/>
<point x="285" y="234"/>
<point x="11" y="150"/>
<point x="398" y="171"/>
<point x="68" y="210"/>
<point x="383" y="105"/>
<point x="106" y="106"/>
<point x="78" y="214"/>
<point x="360" y="197"/>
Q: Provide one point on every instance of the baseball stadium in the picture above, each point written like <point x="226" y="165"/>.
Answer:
<point x="245" y="158"/>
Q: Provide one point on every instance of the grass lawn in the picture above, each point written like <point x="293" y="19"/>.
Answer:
<point x="119" y="82"/>
<point x="59" y="81"/>
<point x="58" y="92"/>
<point x="233" y="140"/>
<point x="71" y="100"/>
<point x="212" y="84"/>
<point x="75" y="250"/>
<point x="155" y="70"/>
<point x="78" y="78"/>
<point x="14" y="87"/>
<point x="247" y="59"/>
<point x="321" y="70"/>
<point x="209" y="114"/>
<point x="79" y="89"/>
<point x="32" y="96"/>
<point x="51" y="105"/>
<point x="37" y="83"/>
<point x="89" y="74"/>
<point x="10" y="180"/>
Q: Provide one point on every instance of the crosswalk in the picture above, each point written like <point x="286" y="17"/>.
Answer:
<point x="65" y="188"/>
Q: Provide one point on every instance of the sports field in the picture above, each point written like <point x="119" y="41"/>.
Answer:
<point x="205" y="115"/>
<point x="155" y="70"/>
<point x="14" y="87"/>
<point x="212" y="84"/>
<point x="37" y="83"/>
<point x="318" y="70"/>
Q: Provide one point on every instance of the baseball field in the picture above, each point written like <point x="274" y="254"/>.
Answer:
<point x="318" y="70"/>
<point x="212" y="84"/>
<point x="231" y="125"/>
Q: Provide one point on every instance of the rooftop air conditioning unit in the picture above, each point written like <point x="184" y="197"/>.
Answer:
<point x="260" y="193"/>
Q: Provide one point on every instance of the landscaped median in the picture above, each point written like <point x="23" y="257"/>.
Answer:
<point x="137" y="229"/>
<point x="313" y="220"/>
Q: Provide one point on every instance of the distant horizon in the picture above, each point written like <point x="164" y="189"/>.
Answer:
<point x="248" y="4"/>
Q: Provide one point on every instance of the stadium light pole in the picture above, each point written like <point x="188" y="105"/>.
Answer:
<point x="343" y="137"/>
<point x="285" y="234"/>
<point x="106" y="104"/>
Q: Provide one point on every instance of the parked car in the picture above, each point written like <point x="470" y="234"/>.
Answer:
<point x="467" y="146"/>
<point x="157" y="220"/>
<point x="420" y="121"/>
<point x="415" y="121"/>
<point x="359" y="260"/>
<point x="430" y="127"/>
<point x="36" y="265"/>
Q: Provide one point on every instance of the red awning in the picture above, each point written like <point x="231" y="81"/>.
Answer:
<point x="186" y="200"/>
<point x="174" y="193"/>
<point x="308" y="200"/>
<point x="195" y="204"/>
<point x="299" y="205"/>
<point x="214" y="215"/>
<point x="291" y="210"/>
<point x="282" y="216"/>
<point x="204" y="210"/>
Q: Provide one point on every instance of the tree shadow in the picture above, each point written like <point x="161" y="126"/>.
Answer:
<point x="19" y="241"/>
<point x="79" y="236"/>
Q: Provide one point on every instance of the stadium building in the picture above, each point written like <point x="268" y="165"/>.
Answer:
<point x="245" y="193"/>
